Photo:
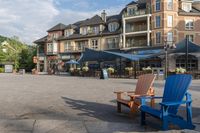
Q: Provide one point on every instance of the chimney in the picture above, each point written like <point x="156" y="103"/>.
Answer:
<point x="103" y="15"/>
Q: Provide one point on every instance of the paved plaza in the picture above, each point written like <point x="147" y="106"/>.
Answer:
<point x="62" y="104"/>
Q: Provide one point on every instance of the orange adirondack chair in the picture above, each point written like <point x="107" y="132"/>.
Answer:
<point x="144" y="87"/>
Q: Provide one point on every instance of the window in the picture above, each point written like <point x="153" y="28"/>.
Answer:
<point x="158" y="37"/>
<point x="113" y="26"/>
<point x="157" y="21"/>
<point x="68" y="33"/>
<point x="157" y="5"/>
<point x="189" y="24"/>
<point x="192" y="62"/>
<point x="170" y="4"/>
<point x="169" y="21"/>
<point x="84" y="30"/>
<point x="94" y="44"/>
<point x="49" y="47"/>
<point x="95" y="30"/>
<point x="170" y="37"/>
<point x="190" y="38"/>
<point x="187" y="7"/>
<point x="131" y="11"/>
<point x="112" y="43"/>
<point x="67" y="46"/>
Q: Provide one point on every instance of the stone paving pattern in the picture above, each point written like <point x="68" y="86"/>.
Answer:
<point x="61" y="104"/>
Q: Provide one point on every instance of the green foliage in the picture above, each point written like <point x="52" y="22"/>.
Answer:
<point x="2" y="70"/>
<point x="17" y="52"/>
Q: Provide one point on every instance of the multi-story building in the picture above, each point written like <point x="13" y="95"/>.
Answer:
<point x="142" y="24"/>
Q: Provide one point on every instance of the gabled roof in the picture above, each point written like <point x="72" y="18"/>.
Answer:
<point x="131" y="3"/>
<point x="41" y="40"/>
<point x="92" y="21"/>
<point x="58" y="27"/>
<point x="71" y="26"/>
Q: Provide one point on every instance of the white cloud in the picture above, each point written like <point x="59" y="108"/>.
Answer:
<point x="30" y="19"/>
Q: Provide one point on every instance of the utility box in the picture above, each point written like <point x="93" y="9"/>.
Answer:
<point x="104" y="74"/>
<point x="8" y="68"/>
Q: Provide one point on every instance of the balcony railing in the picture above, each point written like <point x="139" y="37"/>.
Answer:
<point x="137" y="28"/>
<point x="137" y="43"/>
<point x="138" y="13"/>
<point x="76" y="48"/>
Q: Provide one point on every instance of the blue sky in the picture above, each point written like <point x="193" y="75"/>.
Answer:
<point x="30" y="19"/>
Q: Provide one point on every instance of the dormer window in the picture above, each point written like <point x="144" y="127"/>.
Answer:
<point x="68" y="32"/>
<point x="187" y="7"/>
<point x="84" y="30"/>
<point x="131" y="11"/>
<point x="112" y="27"/>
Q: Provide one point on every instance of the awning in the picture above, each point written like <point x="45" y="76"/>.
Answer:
<point x="93" y="55"/>
<point x="131" y="57"/>
<point x="181" y="48"/>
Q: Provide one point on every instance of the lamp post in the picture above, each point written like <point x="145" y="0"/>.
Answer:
<point x="167" y="45"/>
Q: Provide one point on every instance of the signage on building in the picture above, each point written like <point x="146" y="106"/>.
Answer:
<point x="65" y="57"/>
<point x="8" y="68"/>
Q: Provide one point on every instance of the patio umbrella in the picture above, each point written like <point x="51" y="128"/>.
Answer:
<point x="72" y="62"/>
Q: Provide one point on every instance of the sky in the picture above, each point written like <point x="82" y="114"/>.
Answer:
<point x="30" y="19"/>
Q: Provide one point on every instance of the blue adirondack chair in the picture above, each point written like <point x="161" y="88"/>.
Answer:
<point x="175" y="90"/>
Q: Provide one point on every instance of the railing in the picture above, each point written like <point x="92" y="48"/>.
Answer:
<point x="76" y="48"/>
<point x="138" y="13"/>
<point x="112" y="45"/>
<point x="51" y="53"/>
<point x="137" y="43"/>
<point x="137" y="28"/>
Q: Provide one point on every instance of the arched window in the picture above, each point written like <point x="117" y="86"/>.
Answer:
<point x="192" y="62"/>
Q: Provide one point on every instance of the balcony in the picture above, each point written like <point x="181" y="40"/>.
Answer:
<point x="74" y="49"/>
<point x="136" y="43"/>
<point x="137" y="28"/>
<point x="112" y="46"/>
<point x="137" y="13"/>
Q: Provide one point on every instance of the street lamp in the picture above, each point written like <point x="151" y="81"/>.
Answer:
<point x="167" y="45"/>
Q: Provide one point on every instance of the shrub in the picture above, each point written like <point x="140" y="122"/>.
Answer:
<point x="2" y="70"/>
<point x="85" y="69"/>
<point x="180" y="70"/>
<point x="128" y="69"/>
<point x="111" y="70"/>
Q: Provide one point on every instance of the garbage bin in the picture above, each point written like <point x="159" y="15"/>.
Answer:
<point x="104" y="74"/>
<point x="22" y="71"/>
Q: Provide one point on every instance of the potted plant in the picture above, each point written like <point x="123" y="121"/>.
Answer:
<point x="147" y="69"/>
<point x="110" y="71"/>
<point x="85" y="70"/>
<point x="129" y="71"/>
<point x="180" y="70"/>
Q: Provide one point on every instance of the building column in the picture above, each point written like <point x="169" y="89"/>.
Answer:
<point x="45" y="64"/>
<point x="124" y="33"/>
<point x="148" y="30"/>
<point x="38" y="60"/>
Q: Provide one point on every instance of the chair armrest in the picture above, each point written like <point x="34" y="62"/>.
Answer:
<point x="150" y="97"/>
<point x="173" y="103"/>
<point x="120" y="92"/>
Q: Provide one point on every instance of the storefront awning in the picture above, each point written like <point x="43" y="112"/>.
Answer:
<point x="93" y="55"/>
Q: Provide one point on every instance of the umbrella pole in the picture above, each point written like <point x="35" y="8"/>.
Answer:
<point x="135" y="74"/>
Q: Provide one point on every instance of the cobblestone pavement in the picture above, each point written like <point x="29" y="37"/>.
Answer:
<point x="61" y="104"/>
